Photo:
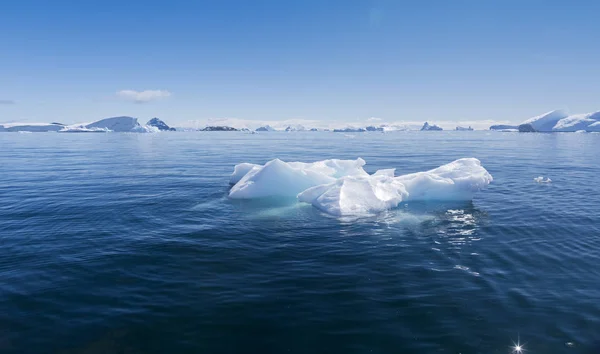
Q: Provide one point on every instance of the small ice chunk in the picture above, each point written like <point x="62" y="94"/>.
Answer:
<point x="541" y="179"/>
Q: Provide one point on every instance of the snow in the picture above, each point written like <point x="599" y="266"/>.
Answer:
<point x="505" y="127"/>
<point x="343" y="187"/>
<point x="541" y="179"/>
<point x="266" y="128"/>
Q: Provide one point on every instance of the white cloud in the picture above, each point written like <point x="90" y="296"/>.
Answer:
<point x="374" y="119"/>
<point x="7" y="102"/>
<point x="143" y="96"/>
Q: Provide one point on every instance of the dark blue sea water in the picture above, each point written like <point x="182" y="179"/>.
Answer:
<point x="127" y="243"/>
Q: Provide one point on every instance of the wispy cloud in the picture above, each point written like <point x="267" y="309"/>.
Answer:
<point x="7" y="102"/>
<point x="143" y="96"/>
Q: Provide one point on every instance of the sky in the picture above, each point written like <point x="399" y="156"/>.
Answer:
<point x="348" y="60"/>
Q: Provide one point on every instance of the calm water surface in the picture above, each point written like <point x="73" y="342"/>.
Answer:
<point x="127" y="243"/>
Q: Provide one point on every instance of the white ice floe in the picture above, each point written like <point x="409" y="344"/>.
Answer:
<point x="541" y="179"/>
<point x="343" y="187"/>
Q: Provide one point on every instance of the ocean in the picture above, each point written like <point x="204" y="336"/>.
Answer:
<point x="127" y="243"/>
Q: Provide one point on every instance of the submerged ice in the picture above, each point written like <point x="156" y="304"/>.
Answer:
<point x="343" y="187"/>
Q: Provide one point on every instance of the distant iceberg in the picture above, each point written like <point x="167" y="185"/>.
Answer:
<point x="505" y="128"/>
<point x="266" y="128"/>
<point x="159" y="124"/>
<point x="31" y="127"/>
<point x="218" y="128"/>
<point x="561" y="121"/>
<point x="113" y="124"/>
<point x="464" y="129"/>
<point x="343" y="187"/>
<point x="428" y="127"/>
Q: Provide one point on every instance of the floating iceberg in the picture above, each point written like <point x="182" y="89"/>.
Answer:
<point x="505" y="128"/>
<point x="282" y="179"/>
<point x="356" y="195"/>
<point x="560" y="121"/>
<point x="343" y="187"/>
<point x="159" y="124"/>
<point x="544" y="122"/>
<point x="428" y="127"/>
<point x="458" y="180"/>
<point x="31" y="127"/>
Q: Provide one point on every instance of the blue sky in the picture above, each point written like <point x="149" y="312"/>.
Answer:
<point x="325" y="60"/>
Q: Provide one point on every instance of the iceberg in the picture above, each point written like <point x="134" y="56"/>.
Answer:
<point x="161" y="125"/>
<point x="31" y="127"/>
<point x="560" y="121"/>
<point x="343" y="187"/>
<point x="356" y="195"/>
<point x="115" y="124"/>
<point x="266" y="128"/>
<point x="287" y="179"/>
<point x="505" y="128"/>
<point x="428" y="127"/>
<point x="544" y="122"/>
<point x="541" y="179"/>
<point x="459" y="180"/>
<point x="577" y="122"/>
